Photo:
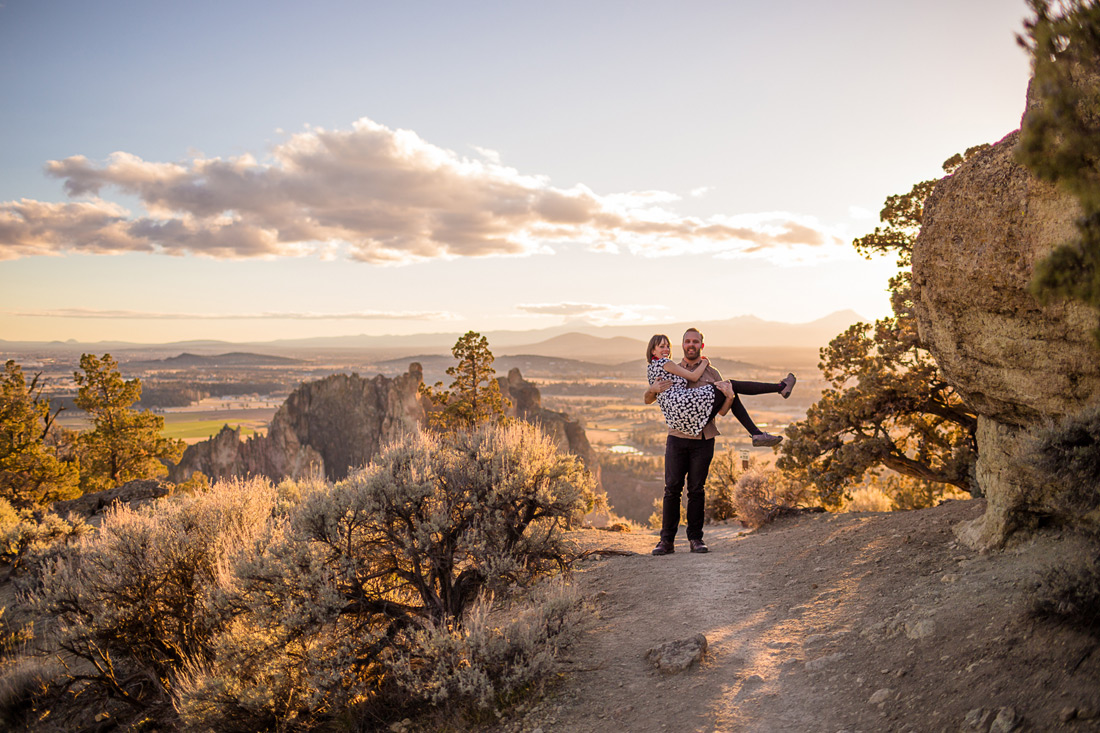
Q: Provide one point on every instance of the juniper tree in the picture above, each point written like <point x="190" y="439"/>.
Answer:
<point x="124" y="444"/>
<point x="888" y="405"/>
<point x="474" y="394"/>
<point x="30" y="471"/>
<point x="1060" y="139"/>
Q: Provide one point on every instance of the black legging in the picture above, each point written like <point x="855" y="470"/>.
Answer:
<point x="738" y="408"/>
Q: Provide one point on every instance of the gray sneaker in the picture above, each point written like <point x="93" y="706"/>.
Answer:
<point x="766" y="440"/>
<point x="788" y="385"/>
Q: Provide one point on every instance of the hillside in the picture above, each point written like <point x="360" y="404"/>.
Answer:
<point x="835" y="622"/>
<point x="216" y="361"/>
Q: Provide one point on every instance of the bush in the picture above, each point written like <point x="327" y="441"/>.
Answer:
<point x="725" y="470"/>
<point x="25" y="684"/>
<point x="305" y="605"/>
<point x="30" y="538"/>
<point x="763" y="494"/>
<point x="494" y="655"/>
<point x="370" y="585"/>
<point x="133" y="602"/>
<point x="1068" y="454"/>
<point x="1071" y="593"/>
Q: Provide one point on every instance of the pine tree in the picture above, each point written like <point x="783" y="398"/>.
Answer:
<point x="125" y="444"/>
<point x="30" y="472"/>
<point x="474" y="395"/>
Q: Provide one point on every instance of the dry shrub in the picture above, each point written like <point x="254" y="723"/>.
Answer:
<point x="133" y="602"/>
<point x="1068" y="454"/>
<point x="867" y="499"/>
<point x="494" y="654"/>
<point x="763" y="494"/>
<point x="29" y="537"/>
<point x="1071" y="593"/>
<point x="25" y="684"/>
<point x="372" y="582"/>
<point x="725" y="470"/>
<point x="308" y="605"/>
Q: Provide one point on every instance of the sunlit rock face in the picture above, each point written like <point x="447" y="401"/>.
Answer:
<point x="526" y="405"/>
<point x="334" y="425"/>
<point x="325" y="428"/>
<point x="1017" y="363"/>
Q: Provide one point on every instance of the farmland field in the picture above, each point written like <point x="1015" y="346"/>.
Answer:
<point x="196" y="426"/>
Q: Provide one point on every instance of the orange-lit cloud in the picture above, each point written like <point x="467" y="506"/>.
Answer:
<point x="375" y="194"/>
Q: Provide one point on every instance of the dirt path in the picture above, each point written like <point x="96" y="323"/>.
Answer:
<point x="851" y="622"/>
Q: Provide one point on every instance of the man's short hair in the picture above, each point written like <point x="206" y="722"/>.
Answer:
<point x="696" y="330"/>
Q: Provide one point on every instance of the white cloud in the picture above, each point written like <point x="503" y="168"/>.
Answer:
<point x="376" y="194"/>
<point x="598" y="313"/>
<point x="274" y="316"/>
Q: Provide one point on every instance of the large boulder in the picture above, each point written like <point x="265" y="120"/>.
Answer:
<point x="1018" y="363"/>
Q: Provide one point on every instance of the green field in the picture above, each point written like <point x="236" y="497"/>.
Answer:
<point x="203" y="429"/>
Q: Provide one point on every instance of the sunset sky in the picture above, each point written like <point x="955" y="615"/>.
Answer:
<point x="264" y="170"/>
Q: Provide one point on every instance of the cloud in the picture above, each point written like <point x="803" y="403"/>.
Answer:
<point x="275" y="316"/>
<point x="598" y="313"/>
<point x="371" y="194"/>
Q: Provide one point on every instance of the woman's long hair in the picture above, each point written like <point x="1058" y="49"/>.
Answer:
<point x="657" y="338"/>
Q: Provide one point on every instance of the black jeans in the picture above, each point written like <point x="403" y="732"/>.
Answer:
<point x="685" y="459"/>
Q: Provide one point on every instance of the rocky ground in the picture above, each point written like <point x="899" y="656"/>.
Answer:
<point x="825" y="622"/>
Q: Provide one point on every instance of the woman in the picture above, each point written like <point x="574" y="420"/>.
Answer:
<point x="688" y="408"/>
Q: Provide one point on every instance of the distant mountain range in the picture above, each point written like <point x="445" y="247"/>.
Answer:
<point x="578" y="340"/>
<point x="220" y="361"/>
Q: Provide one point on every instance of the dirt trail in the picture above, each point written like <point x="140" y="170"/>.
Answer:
<point x="851" y="622"/>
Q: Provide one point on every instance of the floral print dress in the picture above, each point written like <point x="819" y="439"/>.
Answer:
<point x="685" y="408"/>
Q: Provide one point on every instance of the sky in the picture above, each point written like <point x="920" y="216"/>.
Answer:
<point x="250" y="171"/>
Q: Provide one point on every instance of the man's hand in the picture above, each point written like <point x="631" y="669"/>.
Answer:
<point x="655" y="389"/>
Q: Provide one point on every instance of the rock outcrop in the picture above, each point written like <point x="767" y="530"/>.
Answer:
<point x="132" y="493"/>
<point x="1019" y="364"/>
<point x="324" y="428"/>
<point x="340" y="422"/>
<point x="566" y="432"/>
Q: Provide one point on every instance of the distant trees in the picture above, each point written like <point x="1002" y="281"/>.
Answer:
<point x="1060" y="140"/>
<point x="888" y="406"/>
<point x="474" y="394"/>
<point x="124" y="444"/>
<point x="30" y="471"/>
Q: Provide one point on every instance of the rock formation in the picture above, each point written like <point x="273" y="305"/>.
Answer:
<point x="566" y="432"/>
<point x="324" y="428"/>
<point x="1019" y="364"/>
<point x="340" y="422"/>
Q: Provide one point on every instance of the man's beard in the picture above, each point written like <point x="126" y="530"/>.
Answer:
<point x="691" y="354"/>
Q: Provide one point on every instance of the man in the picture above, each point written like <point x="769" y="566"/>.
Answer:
<point x="687" y="458"/>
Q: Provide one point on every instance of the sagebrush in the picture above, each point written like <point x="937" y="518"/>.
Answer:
<point x="249" y="606"/>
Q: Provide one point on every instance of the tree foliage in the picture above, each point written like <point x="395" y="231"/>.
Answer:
<point x="1060" y="140"/>
<point x="30" y="471"/>
<point x="474" y="394"/>
<point x="888" y="405"/>
<point x="124" y="444"/>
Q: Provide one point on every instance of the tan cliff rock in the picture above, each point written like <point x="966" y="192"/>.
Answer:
<point x="566" y="432"/>
<point x="1019" y="364"/>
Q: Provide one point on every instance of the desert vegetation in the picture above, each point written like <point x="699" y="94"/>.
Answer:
<point x="410" y="588"/>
